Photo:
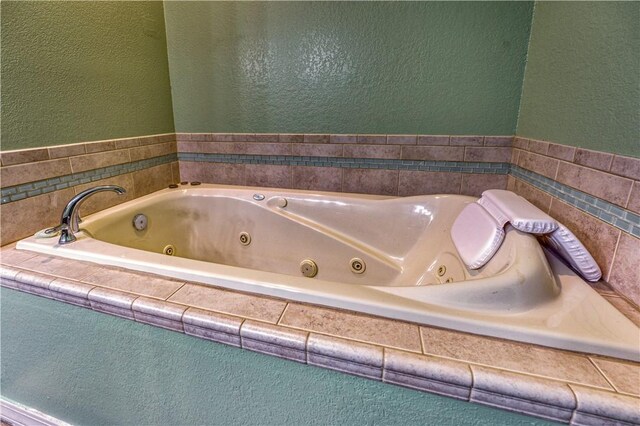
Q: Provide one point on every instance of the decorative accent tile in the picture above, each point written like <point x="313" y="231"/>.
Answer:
<point x="71" y="292"/>
<point x="347" y="356"/>
<point x="273" y="340"/>
<point x="112" y="302"/>
<point x="426" y="373"/>
<point x="212" y="326"/>
<point x="524" y="394"/>
<point x="159" y="313"/>
<point x="597" y="407"/>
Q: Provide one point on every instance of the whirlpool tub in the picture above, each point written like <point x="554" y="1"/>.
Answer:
<point x="391" y="257"/>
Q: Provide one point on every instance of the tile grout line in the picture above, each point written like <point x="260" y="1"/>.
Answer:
<point x="603" y="374"/>
<point x="468" y="363"/>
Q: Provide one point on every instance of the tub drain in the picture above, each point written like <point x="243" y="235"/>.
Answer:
<point x="357" y="265"/>
<point x="169" y="250"/>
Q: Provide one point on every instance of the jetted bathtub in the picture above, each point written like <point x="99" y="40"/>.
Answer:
<point x="392" y="257"/>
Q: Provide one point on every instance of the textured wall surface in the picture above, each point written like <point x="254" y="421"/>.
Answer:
<point x="332" y="67"/>
<point x="88" y="368"/>
<point x="80" y="71"/>
<point x="582" y="80"/>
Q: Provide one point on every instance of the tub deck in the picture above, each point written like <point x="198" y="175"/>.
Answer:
<point x="549" y="383"/>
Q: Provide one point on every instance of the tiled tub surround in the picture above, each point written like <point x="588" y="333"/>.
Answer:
<point x="553" y="384"/>
<point x="37" y="183"/>
<point x="595" y="194"/>
<point x="400" y="165"/>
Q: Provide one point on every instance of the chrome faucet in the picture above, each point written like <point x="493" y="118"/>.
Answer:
<point x="71" y="217"/>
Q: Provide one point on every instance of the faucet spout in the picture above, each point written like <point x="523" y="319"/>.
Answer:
<point x="70" y="216"/>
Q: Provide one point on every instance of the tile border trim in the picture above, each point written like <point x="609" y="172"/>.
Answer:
<point x="336" y="353"/>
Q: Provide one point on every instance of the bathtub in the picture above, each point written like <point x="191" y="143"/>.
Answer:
<point x="391" y="257"/>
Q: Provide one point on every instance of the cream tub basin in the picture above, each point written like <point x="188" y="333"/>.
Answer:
<point x="411" y="268"/>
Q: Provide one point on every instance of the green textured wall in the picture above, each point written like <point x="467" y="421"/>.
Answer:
<point x="81" y="71"/>
<point x="582" y="80"/>
<point x="387" y="67"/>
<point x="90" y="368"/>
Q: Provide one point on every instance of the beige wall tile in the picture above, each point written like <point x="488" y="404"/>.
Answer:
<point x="29" y="172"/>
<point x="82" y="163"/>
<point x="561" y="152"/>
<point x="521" y="143"/>
<point x="152" y="179"/>
<point x="498" y="141"/>
<point x="66" y="150"/>
<point x="10" y="158"/>
<point x="317" y="178"/>
<point x="538" y="198"/>
<point x="433" y="140"/>
<point x="487" y="154"/>
<point x="150" y="151"/>
<point x="612" y="188"/>
<point x="634" y="198"/>
<point x="539" y="147"/>
<point x="343" y="138"/>
<point x="222" y="173"/>
<point x="104" y="200"/>
<point x="100" y="146"/>
<point x="372" y="139"/>
<point x="316" y="138"/>
<point x="626" y="166"/>
<point x="267" y="175"/>
<point x="598" y="237"/>
<point x="372" y="151"/>
<point x="625" y="272"/>
<point x="23" y="218"/>
<point x="422" y="183"/>
<point x="475" y="184"/>
<point x="291" y="137"/>
<point x="267" y="149"/>
<point x="402" y="139"/>
<point x="538" y="163"/>
<point x="316" y="150"/>
<point x="436" y="153"/>
<point x="466" y="140"/>
<point x="593" y="159"/>
<point x="370" y="181"/>
<point x="368" y="329"/>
